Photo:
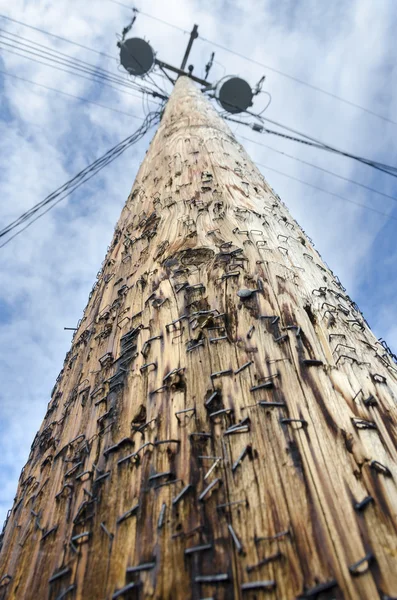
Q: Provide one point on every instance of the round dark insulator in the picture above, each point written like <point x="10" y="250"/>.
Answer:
<point x="235" y="95"/>
<point x="136" y="56"/>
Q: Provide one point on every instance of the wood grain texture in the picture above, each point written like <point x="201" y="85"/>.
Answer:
<point x="202" y="441"/>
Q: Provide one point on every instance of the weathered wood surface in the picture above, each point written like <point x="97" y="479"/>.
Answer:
<point x="200" y="441"/>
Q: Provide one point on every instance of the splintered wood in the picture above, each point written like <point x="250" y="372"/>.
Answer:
<point x="225" y="422"/>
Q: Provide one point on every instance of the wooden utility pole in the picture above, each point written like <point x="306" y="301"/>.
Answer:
<point x="225" y="422"/>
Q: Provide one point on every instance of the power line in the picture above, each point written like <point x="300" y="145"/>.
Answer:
<point x="54" y="55"/>
<point x="46" y="87"/>
<point x="70" y="186"/>
<point x="71" y="73"/>
<point x="57" y="37"/>
<point x="57" y="58"/>
<point x="93" y="70"/>
<point x="320" y="168"/>
<point x="279" y="72"/>
<point x="129" y="82"/>
<point x="310" y="141"/>
<point x="160" y="20"/>
<point x="100" y="162"/>
<point x="372" y="163"/>
<point x="320" y="189"/>
<point x="301" y="81"/>
<point x="121" y="4"/>
<point x="150" y="16"/>
<point x="264" y="66"/>
<point x="9" y="35"/>
<point x="326" y="146"/>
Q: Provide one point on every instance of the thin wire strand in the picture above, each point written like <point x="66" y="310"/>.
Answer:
<point x="83" y="176"/>
<point x="264" y="66"/>
<point x="9" y="35"/>
<point x="305" y="162"/>
<point x="58" y="57"/>
<point x="320" y="189"/>
<point x="69" y="42"/>
<point x="382" y="166"/>
<point x="279" y="72"/>
<point x="297" y="80"/>
<point x="71" y="64"/>
<point x="254" y="62"/>
<point x="76" y="178"/>
<point x="58" y="37"/>
<point x="46" y="87"/>
<point x="388" y="169"/>
<point x="118" y="89"/>
<point x="150" y="16"/>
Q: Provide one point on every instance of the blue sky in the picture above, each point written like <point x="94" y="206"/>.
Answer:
<point x="345" y="47"/>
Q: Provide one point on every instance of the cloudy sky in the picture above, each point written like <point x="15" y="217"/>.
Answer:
<point x="344" y="47"/>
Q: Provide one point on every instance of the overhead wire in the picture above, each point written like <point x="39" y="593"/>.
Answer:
<point x="162" y="90"/>
<point x="46" y="87"/>
<point x="53" y="66"/>
<point x="58" y="37"/>
<point x="317" y="144"/>
<point x="297" y="80"/>
<point x="69" y="41"/>
<point x="310" y="141"/>
<point x="79" y="65"/>
<point x="68" y="61"/>
<point x="316" y="187"/>
<point x="265" y="66"/>
<point x="268" y="103"/>
<point x="326" y="146"/>
<point x="80" y="68"/>
<point x="54" y="52"/>
<point x="176" y="27"/>
<point x="305" y="162"/>
<point x="30" y="216"/>
<point x="138" y="10"/>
